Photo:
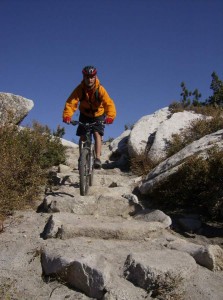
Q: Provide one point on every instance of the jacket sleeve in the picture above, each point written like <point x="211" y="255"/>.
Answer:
<point x="108" y="103"/>
<point x="71" y="104"/>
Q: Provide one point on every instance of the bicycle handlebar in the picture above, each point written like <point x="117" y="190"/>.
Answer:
<point x="74" y="123"/>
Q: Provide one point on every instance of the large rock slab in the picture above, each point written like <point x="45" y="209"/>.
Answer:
<point x="173" y="125"/>
<point x="210" y="256"/>
<point x="154" y="215"/>
<point x="88" y="273"/>
<point x="143" y="129"/>
<point x="120" y="144"/>
<point x="13" y="108"/>
<point x="172" y="164"/>
<point x="152" y="269"/>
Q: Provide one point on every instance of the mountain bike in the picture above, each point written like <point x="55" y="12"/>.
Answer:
<point x="87" y="157"/>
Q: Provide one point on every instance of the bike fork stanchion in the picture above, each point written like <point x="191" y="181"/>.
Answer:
<point x="91" y="166"/>
<point x="84" y="172"/>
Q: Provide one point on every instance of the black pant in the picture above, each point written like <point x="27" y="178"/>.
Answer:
<point x="96" y="128"/>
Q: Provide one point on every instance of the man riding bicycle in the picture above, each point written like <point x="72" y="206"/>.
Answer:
<point x="94" y="104"/>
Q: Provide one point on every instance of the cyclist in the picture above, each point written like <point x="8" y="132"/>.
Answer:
<point x="94" y="104"/>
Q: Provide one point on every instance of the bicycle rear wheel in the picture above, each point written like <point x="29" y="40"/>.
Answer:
<point x="84" y="172"/>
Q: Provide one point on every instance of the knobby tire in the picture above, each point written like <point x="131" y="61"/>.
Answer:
<point x="84" y="172"/>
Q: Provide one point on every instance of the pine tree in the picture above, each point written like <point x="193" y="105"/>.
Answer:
<point x="59" y="132"/>
<point x="196" y="98"/>
<point x="217" y="86"/>
<point x="185" y="94"/>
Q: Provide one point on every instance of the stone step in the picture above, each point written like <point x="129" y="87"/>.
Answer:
<point x="109" y="266"/>
<point x="109" y="178"/>
<point x="67" y="225"/>
<point x="109" y="191"/>
<point x="112" y="180"/>
<point x="66" y="199"/>
<point x="97" y="271"/>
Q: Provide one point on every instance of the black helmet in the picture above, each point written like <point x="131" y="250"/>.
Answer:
<point x="89" y="71"/>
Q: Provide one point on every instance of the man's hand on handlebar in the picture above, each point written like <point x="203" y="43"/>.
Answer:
<point x="67" y="120"/>
<point x="108" y="120"/>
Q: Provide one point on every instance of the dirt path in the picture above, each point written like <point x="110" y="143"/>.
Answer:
<point x="98" y="231"/>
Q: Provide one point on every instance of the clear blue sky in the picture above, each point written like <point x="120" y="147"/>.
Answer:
<point x="143" y="50"/>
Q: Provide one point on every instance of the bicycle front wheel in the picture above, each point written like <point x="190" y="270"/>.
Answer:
<point x="91" y="168"/>
<point x="84" y="172"/>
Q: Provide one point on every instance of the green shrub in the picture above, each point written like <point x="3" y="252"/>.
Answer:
<point x="26" y="156"/>
<point x="197" y="186"/>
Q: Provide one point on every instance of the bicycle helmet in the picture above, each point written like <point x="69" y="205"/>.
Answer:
<point x="89" y="71"/>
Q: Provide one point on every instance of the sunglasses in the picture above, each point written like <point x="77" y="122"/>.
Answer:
<point x="89" y="76"/>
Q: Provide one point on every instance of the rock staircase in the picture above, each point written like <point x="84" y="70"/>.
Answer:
<point x="106" y="246"/>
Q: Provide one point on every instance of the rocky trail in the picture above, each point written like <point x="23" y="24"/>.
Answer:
<point x="102" y="246"/>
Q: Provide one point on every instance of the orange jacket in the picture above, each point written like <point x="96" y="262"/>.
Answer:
<point x="90" y="107"/>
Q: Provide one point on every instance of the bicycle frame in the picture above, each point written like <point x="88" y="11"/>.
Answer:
<point x="87" y="144"/>
<point x="86" y="159"/>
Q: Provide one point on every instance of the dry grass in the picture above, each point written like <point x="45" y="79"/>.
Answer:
<point x="197" y="186"/>
<point x="167" y="288"/>
<point x="141" y="164"/>
<point x="26" y="156"/>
